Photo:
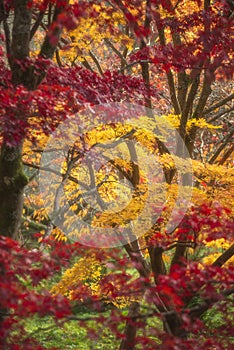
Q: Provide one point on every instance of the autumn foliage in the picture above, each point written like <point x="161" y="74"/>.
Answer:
<point x="151" y="79"/>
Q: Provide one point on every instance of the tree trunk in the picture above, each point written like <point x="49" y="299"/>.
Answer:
<point x="12" y="183"/>
<point x="12" y="177"/>
<point x="131" y="328"/>
<point x="173" y="326"/>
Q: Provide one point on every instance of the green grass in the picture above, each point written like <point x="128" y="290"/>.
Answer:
<point x="70" y="335"/>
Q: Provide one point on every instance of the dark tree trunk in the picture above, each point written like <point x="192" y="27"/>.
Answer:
<point x="131" y="328"/>
<point x="12" y="183"/>
<point x="12" y="177"/>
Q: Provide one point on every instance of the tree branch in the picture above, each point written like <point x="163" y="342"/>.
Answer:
<point x="118" y="53"/>
<point x="220" y="114"/>
<point x="94" y="57"/>
<point x="224" y="143"/>
<point x="226" y="155"/>
<point x="222" y="259"/>
<point x="219" y="104"/>
<point x="36" y="24"/>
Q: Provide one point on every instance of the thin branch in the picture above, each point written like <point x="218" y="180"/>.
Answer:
<point x="222" y="259"/>
<point x="220" y="114"/>
<point x="34" y="166"/>
<point x="94" y="57"/>
<point x="219" y="104"/>
<point x="226" y="155"/>
<point x="182" y="244"/>
<point x="133" y="64"/>
<point x="224" y="143"/>
<point x="118" y="53"/>
<point x="36" y="24"/>
<point x="58" y="59"/>
<point x="95" y="186"/>
<point x="71" y="178"/>
<point x="85" y="64"/>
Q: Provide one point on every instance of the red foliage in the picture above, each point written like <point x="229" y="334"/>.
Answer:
<point x="65" y="91"/>
<point x="20" y="270"/>
<point x="187" y="291"/>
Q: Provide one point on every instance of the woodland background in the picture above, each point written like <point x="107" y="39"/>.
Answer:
<point x="164" y="290"/>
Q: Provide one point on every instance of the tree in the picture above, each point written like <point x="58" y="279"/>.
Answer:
<point x="190" y="51"/>
<point x="25" y="77"/>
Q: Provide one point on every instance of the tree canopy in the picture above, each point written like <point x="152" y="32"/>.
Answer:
<point x="116" y="171"/>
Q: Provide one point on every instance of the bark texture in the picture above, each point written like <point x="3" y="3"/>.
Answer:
<point x="12" y="177"/>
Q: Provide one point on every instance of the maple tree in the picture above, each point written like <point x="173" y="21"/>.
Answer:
<point x="170" y="56"/>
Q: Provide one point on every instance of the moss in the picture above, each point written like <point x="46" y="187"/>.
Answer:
<point x="21" y="180"/>
<point x="12" y="176"/>
<point x="12" y="182"/>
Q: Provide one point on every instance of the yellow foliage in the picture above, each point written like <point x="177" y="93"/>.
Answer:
<point x="216" y="182"/>
<point x="221" y="243"/>
<point x="91" y="31"/>
<point x="87" y="271"/>
<point x="58" y="234"/>
<point x="200" y="123"/>
<point x="216" y="248"/>
<point x="129" y="213"/>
